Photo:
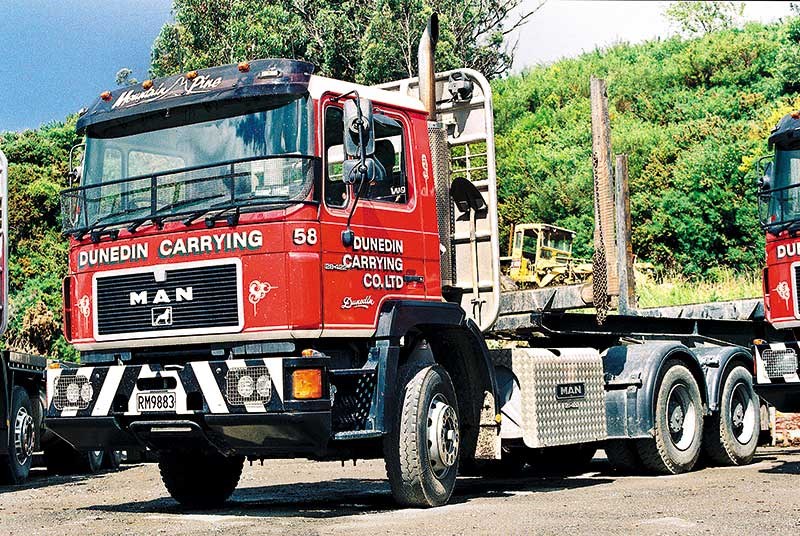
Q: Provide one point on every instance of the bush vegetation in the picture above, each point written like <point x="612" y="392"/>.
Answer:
<point x="692" y="114"/>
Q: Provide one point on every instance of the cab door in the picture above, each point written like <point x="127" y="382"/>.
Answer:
<point x="385" y="259"/>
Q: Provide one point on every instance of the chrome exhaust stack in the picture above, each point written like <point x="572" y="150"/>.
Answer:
<point x="426" y="66"/>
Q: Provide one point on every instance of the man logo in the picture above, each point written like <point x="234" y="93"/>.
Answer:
<point x="161" y="316"/>
<point x="570" y="391"/>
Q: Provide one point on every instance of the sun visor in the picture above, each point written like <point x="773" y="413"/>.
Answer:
<point x="236" y="82"/>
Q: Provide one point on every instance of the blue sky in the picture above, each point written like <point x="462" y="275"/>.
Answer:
<point x="56" y="56"/>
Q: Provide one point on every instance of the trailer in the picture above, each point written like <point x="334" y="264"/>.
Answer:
<point x="265" y="263"/>
<point x="23" y="433"/>
<point x="777" y="374"/>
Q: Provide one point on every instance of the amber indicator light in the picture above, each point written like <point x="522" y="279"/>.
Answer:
<point x="306" y="384"/>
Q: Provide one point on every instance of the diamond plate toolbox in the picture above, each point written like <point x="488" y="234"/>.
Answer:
<point x="563" y="398"/>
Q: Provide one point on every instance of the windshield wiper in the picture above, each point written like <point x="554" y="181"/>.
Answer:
<point x="164" y="211"/>
<point x="233" y="219"/>
<point x="93" y="227"/>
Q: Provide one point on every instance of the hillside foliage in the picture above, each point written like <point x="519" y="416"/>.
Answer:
<point x="692" y="114"/>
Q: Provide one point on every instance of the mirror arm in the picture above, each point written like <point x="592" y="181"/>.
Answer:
<point x="348" y="237"/>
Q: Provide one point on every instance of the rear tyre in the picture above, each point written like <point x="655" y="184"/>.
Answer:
<point x="112" y="459"/>
<point x="200" y="479"/>
<point x="622" y="456"/>
<point x="16" y="465"/>
<point x="422" y="449"/>
<point x="731" y="436"/>
<point x="61" y="459"/>
<point x="678" y="423"/>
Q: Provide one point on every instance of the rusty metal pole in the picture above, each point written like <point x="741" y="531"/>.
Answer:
<point x="627" y="282"/>
<point x="605" y="276"/>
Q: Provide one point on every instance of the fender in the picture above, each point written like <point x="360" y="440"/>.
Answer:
<point x="717" y="362"/>
<point x="398" y="317"/>
<point x="631" y="374"/>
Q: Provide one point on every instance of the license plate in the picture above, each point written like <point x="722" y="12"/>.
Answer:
<point x="155" y="401"/>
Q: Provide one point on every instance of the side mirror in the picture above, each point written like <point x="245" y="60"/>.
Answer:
<point x="765" y="181"/>
<point x="74" y="168"/>
<point x="354" y="172"/>
<point x="359" y="128"/>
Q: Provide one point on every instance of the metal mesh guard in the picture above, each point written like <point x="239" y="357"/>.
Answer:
<point x="232" y="381"/>
<point x="780" y="362"/>
<point x="60" y="392"/>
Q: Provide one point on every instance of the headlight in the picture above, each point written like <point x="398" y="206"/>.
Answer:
<point x="87" y="392"/>
<point x="73" y="393"/>
<point x="245" y="386"/>
<point x="264" y="386"/>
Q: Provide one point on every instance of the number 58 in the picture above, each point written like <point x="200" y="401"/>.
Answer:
<point x="303" y="236"/>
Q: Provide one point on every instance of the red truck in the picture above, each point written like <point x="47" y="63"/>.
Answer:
<point x="265" y="263"/>
<point x="777" y="370"/>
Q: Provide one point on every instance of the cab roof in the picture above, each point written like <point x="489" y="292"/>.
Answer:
<point x="234" y="82"/>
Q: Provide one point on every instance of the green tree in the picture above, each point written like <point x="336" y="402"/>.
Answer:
<point x="698" y="18"/>
<point x="369" y="41"/>
<point x="124" y="78"/>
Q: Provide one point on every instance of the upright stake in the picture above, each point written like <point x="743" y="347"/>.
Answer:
<point x="605" y="276"/>
<point x="627" y="282"/>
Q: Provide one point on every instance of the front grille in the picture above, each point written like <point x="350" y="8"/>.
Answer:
<point x="72" y="392"/>
<point x="188" y="298"/>
<point x="780" y="362"/>
<point x="795" y="287"/>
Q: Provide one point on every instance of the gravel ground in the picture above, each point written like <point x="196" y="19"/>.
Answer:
<point x="298" y="497"/>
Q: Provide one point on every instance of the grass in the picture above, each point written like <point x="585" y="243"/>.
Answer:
<point x="723" y="284"/>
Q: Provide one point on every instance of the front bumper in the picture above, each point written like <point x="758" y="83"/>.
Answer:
<point x="784" y="396"/>
<point x="265" y="435"/>
<point x="207" y="409"/>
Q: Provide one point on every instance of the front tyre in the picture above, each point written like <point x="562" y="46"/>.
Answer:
<point x="16" y="465"/>
<point x="200" y="479"/>
<point x="422" y="449"/>
<point x="731" y="436"/>
<point x="678" y="429"/>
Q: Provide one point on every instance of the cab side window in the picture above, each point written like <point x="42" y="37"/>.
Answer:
<point x="335" y="189"/>
<point x="389" y="184"/>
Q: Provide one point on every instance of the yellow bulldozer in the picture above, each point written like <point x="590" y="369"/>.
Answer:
<point x="541" y="255"/>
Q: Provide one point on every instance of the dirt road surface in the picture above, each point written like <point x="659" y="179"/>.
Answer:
<point x="299" y="497"/>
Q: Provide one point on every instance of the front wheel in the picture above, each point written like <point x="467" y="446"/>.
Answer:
<point x="16" y="465"/>
<point x="678" y="423"/>
<point x="732" y="435"/>
<point x="422" y="450"/>
<point x="200" y="479"/>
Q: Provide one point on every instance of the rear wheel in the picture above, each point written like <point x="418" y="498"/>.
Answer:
<point x="200" y="479"/>
<point x="678" y="423"/>
<point x="16" y="465"/>
<point x="422" y="450"/>
<point x="732" y="435"/>
<point x="62" y="459"/>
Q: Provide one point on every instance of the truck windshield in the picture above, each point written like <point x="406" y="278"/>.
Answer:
<point x="193" y="166"/>
<point x="782" y="204"/>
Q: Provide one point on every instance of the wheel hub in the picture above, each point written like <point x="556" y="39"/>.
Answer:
<point x="24" y="436"/>
<point x="443" y="435"/>
<point x="743" y="413"/>
<point x="681" y="416"/>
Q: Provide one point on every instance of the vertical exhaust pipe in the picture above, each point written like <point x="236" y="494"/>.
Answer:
<point x="427" y="70"/>
<point x="440" y="151"/>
